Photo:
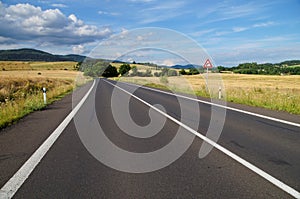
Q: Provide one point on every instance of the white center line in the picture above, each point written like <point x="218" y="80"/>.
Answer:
<point x="247" y="164"/>
<point x="15" y="182"/>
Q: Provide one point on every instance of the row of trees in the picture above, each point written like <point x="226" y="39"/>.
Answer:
<point x="148" y="72"/>
<point x="192" y="71"/>
<point x="287" y="67"/>
<point x="102" y="68"/>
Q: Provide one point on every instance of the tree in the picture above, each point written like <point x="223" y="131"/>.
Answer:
<point x="221" y="68"/>
<point x="193" y="71"/>
<point x="156" y="74"/>
<point x="110" y="71"/>
<point x="134" y="71"/>
<point x="124" y="68"/>
<point x="148" y="73"/>
<point x="164" y="71"/>
<point x="172" y="73"/>
<point x="95" y="69"/>
<point x="182" y="72"/>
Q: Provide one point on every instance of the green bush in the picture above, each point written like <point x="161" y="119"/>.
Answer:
<point x="124" y="68"/>
<point x="100" y="69"/>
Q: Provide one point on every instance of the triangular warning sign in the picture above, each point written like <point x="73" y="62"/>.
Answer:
<point x="207" y="64"/>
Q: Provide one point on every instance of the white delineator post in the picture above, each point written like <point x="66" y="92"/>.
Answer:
<point x="45" y="95"/>
<point x="220" y="92"/>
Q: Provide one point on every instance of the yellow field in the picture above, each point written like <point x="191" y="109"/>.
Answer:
<point x="19" y="65"/>
<point x="273" y="92"/>
<point x="140" y="67"/>
<point x="20" y="90"/>
<point x="61" y="74"/>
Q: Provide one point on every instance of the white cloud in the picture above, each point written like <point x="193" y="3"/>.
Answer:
<point x="265" y="24"/>
<point x="152" y="18"/>
<point x="161" y="12"/>
<point x="202" y="32"/>
<point x="25" y="22"/>
<point x="166" y="6"/>
<point x="168" y="62"/>
<point x="224" y="10"/>
<point x="240" y="10"/>
<point x="260" y="55"/>
<point x="79" y="49"/>
<point x="239" y="29"/>
<point x="139" y="38"/>
<point x="221" y="33"/>
<point x="5" y="40"/>
<point x="59" y="5"/>
<point x="100" y="12"/>
<point x="130" y="59"/>
<point x="258" y="25"/>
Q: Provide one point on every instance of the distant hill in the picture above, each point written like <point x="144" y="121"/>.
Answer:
<point x="290" y="62"/>
<point x="188" y="66"/>
<point x="27" y="54"/>
<point x="73" y="57"/>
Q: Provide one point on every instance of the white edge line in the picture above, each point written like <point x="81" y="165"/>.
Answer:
<point x="247" y="164"/>
<point x="15" y="182"/>
<point x="221" y="106"/>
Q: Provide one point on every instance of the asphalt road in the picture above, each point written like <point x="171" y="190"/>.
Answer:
<point x="69" y="170"/>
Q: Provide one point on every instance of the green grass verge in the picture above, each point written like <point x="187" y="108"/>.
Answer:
<point x="13" y="111"/>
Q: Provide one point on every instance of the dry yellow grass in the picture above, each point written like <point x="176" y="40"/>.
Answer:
<point x="140" y="67"/>
<point x="273" y="92"/>
<point x="60" y="74"/>
<point x="20" y="65"/>
<point x="20" y="91"/>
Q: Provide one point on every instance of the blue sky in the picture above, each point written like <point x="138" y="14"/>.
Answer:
<point x="231" y="31"/>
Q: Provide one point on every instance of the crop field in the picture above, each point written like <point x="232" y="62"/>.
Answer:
<point x="59" y="74"/>
<point x="19" y="65"/>
<point x="21" y="90"/>
<point x="273" y="92"/>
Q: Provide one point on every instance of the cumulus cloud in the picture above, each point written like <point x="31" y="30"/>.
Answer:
<point x="79" y="49"/>
<point x="25" y="22"/>
<point x="168" y="62"/>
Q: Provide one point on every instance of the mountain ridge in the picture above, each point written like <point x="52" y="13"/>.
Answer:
<point x="29" y="54"/>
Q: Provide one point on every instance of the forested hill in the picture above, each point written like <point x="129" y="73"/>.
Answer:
<point x="291" y="67"/>
<point x="27" y="54"/>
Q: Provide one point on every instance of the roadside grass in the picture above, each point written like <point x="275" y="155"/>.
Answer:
<point x="273" y="92"/>
<point x="281" y="93"/>
<point x="21" y="91"/>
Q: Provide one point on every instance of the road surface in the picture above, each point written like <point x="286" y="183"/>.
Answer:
<point x="69" y="170"/>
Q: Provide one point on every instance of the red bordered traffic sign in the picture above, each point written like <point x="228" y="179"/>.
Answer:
<point x="207" y="64"/>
